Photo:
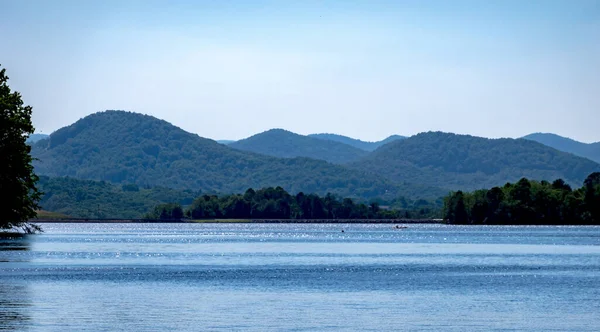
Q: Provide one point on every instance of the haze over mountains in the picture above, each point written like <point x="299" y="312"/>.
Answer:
<point x="366" y="146"/>
<point x="97" y="199"/>
<point x="359" y="144"/>
<point x="285" y="144"/>
<point x="462" y="162"/>
<point x="36" y="137"/>
<point x="124" y="147"/>
<point x="587" y="150"/>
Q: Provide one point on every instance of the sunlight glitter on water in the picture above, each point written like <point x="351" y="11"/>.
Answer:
<point x="301" y="277"/>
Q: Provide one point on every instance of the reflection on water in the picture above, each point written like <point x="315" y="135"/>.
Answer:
<point x="11" y="246"/>
<point x="15" y="300"/>
<point x="14" y="241"/>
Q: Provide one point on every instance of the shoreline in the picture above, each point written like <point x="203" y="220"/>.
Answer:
<point x="244" y="221"/>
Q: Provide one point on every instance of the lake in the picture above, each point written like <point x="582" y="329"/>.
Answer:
<point x="300" y="277"/>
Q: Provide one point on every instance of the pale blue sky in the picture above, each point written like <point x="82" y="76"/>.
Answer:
<point x="366" y="69"/>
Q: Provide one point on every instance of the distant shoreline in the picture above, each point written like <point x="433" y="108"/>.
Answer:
<point x="245" y="221"/>
<point x="276" y="221"/>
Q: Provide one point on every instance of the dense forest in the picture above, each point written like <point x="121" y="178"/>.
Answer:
<point x="586" y="150"/>
<point x="527" y="202"/>
<point x="276" y="203"/>
<point x="462" y="162"/>
<point x="99" y="199"/>
<point x="123" y="147"/>
<point x="285" y="144"/>
<point x="366" y="146"/>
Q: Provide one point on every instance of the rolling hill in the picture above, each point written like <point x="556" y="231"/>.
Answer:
<point x="124" y="147"/>
<point x="285" y="144"/>
<point x="586" y="150"/>
<point x="466" y="162"/>
<point x="366" y="146"/>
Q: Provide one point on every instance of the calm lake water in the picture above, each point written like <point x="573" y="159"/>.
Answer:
<point x="262" y="277"/>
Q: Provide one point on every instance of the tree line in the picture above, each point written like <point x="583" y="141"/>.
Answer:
<point x="527" y="202"/>
<point x="276" y="203"/>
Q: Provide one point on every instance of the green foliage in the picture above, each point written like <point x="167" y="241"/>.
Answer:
<point x="284" y="144"/>
<point x="467" y="163"/>
<point x="42" y="214"/>
<point x="123" y="147"/>
<point x="17" y="180"/>
<point x="527" y="202"/>
<point x="99" y="199"/>
<point x="586" y="150"/>
<point x="166" y="211"/>
<point x="366" y="146"/>
<point x="591" y="196"/>
<point x="276" y="203"/>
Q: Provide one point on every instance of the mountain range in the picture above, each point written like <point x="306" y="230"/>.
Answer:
<point x="285" y="144"/>
<point x="466" y="162"/>
<point x="366" y="146"/>
<point x="586" y="150"/>
<point x="359" y="144"/>
<point x="124" y="147"/>
<point x="36" y="137"/>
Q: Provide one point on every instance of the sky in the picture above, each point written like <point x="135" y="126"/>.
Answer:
<point x="365" y="69"/>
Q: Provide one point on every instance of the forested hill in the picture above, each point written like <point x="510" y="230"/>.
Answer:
<point x="123" y="147"/>
<point x="99" y="199"/>
<point x="586" y="150"/>
<point x="285" y="144"/>
<point x="466" y="162"/>
<point x="366" y="146"/>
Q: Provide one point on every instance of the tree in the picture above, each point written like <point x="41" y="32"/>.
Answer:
<point x="455" y="211"/>
<point x="592" y="196"/>
<point x="167" y="211"/>
<point x="17" y="179"/>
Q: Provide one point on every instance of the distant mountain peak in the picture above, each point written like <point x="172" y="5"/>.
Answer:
<point x="36" y="137"/>
<point x="363" y="145"/>
<point x="456" y="161"/>
<point x="127" y="147"/>
<point x="286" y="144"/>
<point x="565" y="144"/>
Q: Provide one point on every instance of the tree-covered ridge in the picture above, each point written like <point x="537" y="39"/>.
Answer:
<point x="586" y="150"/>
<point x="276" y="203"/>
<point x="36" y="137"/>
<point x="527" y="202"/>
<point x="99" y="199"/>
<point x="466" y="162"/>
<point x="285" y="144"/>
<point x="365" y="146"/>
<point x="123" y="147"/>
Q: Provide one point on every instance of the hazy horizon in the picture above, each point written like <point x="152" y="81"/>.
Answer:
<point x="372" y="141"/>
<point x="229" y="70"/>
